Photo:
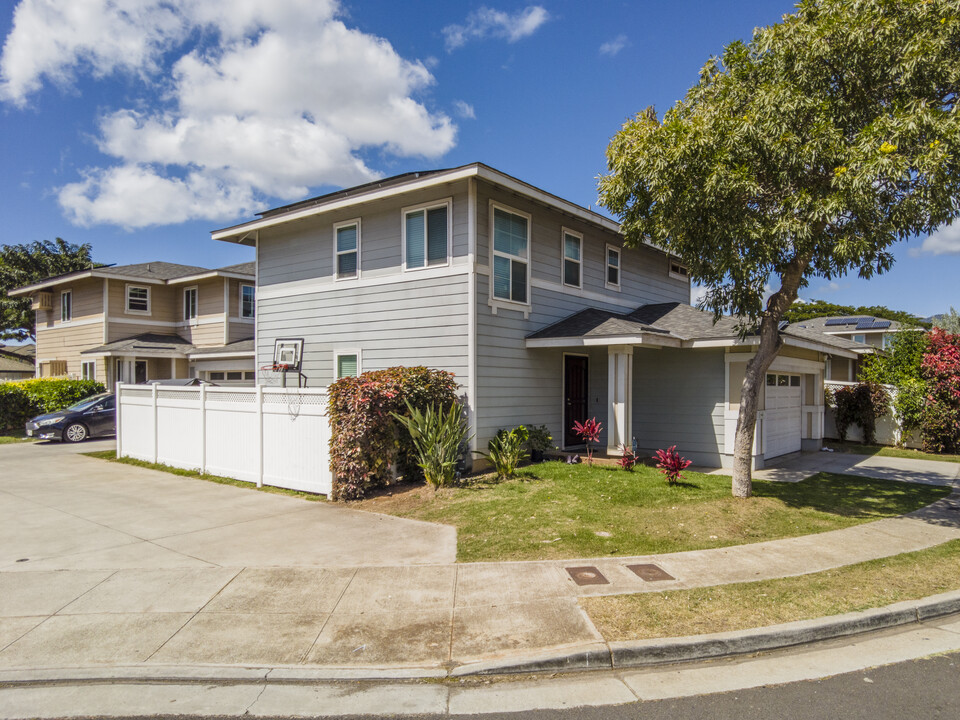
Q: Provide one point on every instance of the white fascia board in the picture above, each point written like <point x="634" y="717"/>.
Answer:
<point x="562" y="342"/>
<point x="237" y="232"/>
<point x="211" y="274"/>
<point x="721" y="342"/>
<point x="135" y="354"/>
<point x="223" y="355"/>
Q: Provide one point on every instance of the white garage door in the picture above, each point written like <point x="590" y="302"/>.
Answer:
<point x="782" y="416"/>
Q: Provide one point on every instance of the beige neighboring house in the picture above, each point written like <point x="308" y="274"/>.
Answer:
<point x="16" y="362"/>
<point x="143" y="322"/>
<point x="860" y="334"/>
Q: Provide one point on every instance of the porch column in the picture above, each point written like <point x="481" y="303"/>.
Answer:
<point x="619" y="398"/>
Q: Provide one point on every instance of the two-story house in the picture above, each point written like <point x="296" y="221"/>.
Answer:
<point x="148" y="321"/>
<point x="533" y="302"/>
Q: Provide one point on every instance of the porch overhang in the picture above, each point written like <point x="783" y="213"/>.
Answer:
<point x="651" y="340"/>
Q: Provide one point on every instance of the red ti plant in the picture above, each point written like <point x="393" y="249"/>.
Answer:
<point x="671" y="464"/>
<point x="589" y="432"/>
<point x="627" y="458"/>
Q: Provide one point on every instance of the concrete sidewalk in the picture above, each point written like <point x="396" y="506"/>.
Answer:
<point x="396" y="617"/>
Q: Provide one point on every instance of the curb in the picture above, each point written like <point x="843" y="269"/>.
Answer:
<point x="593" y="656"/>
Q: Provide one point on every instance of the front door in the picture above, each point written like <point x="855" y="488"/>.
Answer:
<point x="574" y="396"/>
<point x="140" y="372"/>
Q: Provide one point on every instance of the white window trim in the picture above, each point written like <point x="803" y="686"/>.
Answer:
<point x="445" y="202"/>
<point x="347" y="351"/>
<point x="126" y="300"/>
<point x="606" y="267"/>
<point x="241" y="316"/>
<point x="93" y="373"/>
<point x="494" y="301"/>
<point x="337" y="226"/>
<point x="563" y="258"/>
<point x="70" y="294"/>
<point x="677" y="276"/>
<point x="195" y="320"/>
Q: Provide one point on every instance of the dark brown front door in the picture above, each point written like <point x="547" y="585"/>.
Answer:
<point x="574" y="396"/>
<point x="140" y="372"/>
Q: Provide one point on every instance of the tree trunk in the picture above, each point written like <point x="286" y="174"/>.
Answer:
<point x="770" y="343"/>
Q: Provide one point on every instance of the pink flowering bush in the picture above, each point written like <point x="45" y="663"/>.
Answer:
<point x="589" y="432"/>
<point x="671" y="464"/>
<point x="941" y="416"/>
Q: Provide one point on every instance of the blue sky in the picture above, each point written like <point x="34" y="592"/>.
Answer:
<point x="140" y="125"/>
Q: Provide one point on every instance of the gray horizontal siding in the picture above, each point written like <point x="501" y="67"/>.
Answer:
<point x="678" y="398"/>
<point x="304" y="250"/>
<point x="410" y="323"/>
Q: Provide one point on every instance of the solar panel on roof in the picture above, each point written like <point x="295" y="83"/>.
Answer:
<point x="881" y="324"/>
<point x="865" y="325"/>
<point x="837" y="321"/>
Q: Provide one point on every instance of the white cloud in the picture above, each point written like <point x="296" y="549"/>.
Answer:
<point x="698" y="294"/>
<point x="486" y="22"/>
<point x="464" y="110"/>
<point x="281" y="98"/>
<point x="612" y="47"/>
<point x="945" y="241"/>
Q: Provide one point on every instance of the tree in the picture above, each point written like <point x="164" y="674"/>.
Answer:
<point x="900" y="366"/>
<point x="949" y="321"/>
<point x="801" y="311"/>
<point x="807" y="152"/>
<point x="29" y="263"/>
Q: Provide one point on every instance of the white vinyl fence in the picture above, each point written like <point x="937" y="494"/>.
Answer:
<point x="888" y="429"/>
<point x="267" y="436"/>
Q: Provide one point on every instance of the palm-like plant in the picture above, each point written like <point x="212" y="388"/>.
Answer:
<point x="437" y="436"/>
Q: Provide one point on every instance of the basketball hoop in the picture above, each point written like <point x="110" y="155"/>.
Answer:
<point x="281" y="367"/>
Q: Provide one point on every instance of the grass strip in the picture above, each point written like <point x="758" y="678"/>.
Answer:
<point x="10" y="439"/>
<point x="722" y="608"/>
<point x="886" y="451"/>
<point x="111" y="455"/>
<point x="554" y="511"/>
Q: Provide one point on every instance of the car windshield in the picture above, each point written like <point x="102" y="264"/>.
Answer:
<point x="86" y="403"/>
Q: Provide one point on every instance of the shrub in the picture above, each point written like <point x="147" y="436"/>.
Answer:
<point x="860" y="405"/>
<point x="941" y="415"/>
<point x="505" y="451"/>
<point x="671" y="464"/>
<point x="20" y="401"/>
<point x="589" y="432"/>
<point x="539" y="441"/>
<point x="627" y="459"/>
<point x="437" y="438"/>
<point x="365" y="440"/>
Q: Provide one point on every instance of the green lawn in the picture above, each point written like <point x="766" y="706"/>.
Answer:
<point x="886" y="451"/>
<point x="876" y="583"/>
<point x="18" y="438"/>
<point x="555" y="510"/>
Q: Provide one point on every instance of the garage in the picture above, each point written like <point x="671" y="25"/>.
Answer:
<point x="782" y="416"/>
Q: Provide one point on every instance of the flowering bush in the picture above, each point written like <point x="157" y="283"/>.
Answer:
<point x="365" y="440"/>
<point x="941" y="415"/>
<point x="589" y="432"/>
<point x="627" y="459"/>
<point x="671" y="464"/>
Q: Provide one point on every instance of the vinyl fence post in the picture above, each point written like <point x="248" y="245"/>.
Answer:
<point x="259" y="436"/>
<point x="117" y="403"/>
<point x="203" y="429"/>
<point x="156" y="425"/>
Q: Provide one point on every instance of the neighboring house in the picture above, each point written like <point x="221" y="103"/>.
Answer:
<point x="16" y="362"/>
<point x="533" y="303"/>
<point x="864" y="335"/>
<point x="149" y="321"/>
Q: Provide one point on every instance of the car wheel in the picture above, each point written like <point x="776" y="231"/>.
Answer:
<point x="75" y="433"/>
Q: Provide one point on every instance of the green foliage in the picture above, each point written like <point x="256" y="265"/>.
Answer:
<point x="950" y="322"/>
<point x="505" y="451"/>
<point x="437" y="438"/>
<point x="365" y="440"/>
<point x="860" y="405"/>
<point x="539" y="439"/>
<point x="22" y="265"/>
<point x="899" y="366"/>
<point x="20" y="401"/>
<point x="820" y="308"/>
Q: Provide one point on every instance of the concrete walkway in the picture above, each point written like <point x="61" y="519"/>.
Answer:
<point x="151" y="571"/>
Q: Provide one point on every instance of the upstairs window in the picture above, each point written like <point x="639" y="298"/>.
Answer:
<point x="678" y="270"/>
<point x="572" y="266"/>
<point x="511" y="256"/>
<point x="347" y="248"/>
<point x="138" y="299"/>
<point x="66" y="306"/>
<point x="613" y="267"/>
<point x="190" y="304"/>
<point x="248" y="301"/>
<point x="426" y="236"/>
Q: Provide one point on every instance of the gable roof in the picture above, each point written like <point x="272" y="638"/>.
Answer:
<point x="850" y="324"/>
<point x="155" y="272"/>
<point x="244" y="233"/>
<point x="12" y="362"/>
<point x="674" y="325"/>
<point x="155" y="345"/>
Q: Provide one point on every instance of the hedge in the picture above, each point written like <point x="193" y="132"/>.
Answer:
<point x="20" y="401"/>
<point x="365" y="441"/>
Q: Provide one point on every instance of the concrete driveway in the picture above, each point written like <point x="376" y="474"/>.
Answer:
<point x="62" y="511"/>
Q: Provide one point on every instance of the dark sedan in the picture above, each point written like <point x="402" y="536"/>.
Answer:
<point x="91" y="417"/>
